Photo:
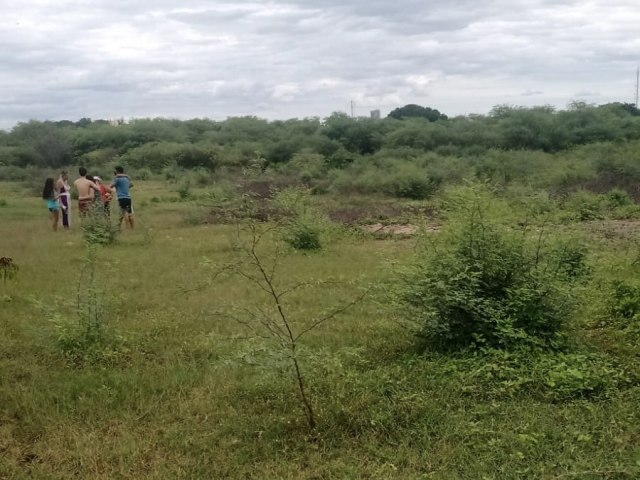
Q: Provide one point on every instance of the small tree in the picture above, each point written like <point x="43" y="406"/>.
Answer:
<point x="274" y="322"/>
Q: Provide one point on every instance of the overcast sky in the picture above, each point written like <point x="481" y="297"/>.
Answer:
<point x="67" y="59"/>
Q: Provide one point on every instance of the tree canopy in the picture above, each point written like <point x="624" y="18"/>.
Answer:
<point x="338" y="139"/>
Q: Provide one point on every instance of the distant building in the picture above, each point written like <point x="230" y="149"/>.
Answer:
<point x="114" y="122"/>
<point x="375" y="114"/>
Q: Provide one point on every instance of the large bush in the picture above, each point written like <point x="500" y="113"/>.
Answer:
<point x="490" y="286"/>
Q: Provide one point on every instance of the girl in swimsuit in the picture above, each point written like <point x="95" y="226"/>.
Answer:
<point x="50" y="194"/>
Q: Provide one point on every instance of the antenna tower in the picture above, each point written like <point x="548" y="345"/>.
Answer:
<point x="637" y="82"/>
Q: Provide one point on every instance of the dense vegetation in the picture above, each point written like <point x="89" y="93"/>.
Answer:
<point x="338" y="140"/>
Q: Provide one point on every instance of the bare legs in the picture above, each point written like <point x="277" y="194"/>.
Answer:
<point x="55" y="217"/>
<point x="128" y="219"/>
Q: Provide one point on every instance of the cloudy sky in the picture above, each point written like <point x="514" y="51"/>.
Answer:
<point x="67" y="59"/>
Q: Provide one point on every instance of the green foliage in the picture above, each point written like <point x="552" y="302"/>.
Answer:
<point x="85" y="340"/>
<point x="3" y="202"/>
<point x="415" y="179"/>
<point x="413" y="110"/>
<point x="618" y="198"/>
<point x="201" y="143"/>
<point x="489" y="286"/>
<point x="82" y="344"/>
<point x="625" y="301"/>
<point x="409" y="181"/>
<point x="569" y="259"/>
<point x="302" y="226"/>
<point x="97" y="228"/>
<point x="555" y="377"/>
<point x="303" y="235"/>
<point x="184" y="190"/>
<point x="585" y="206"/>
<point x="143" y="174"/>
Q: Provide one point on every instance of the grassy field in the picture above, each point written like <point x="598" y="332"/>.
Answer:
<point x="175" y="389"/>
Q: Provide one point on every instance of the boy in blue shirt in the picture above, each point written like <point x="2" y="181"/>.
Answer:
<point x="122" y="184"/>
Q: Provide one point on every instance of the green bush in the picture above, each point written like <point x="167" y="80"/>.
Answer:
<point x="489" y="287"/>
<point x="618" y="198"/>
<point x="414" y="185"/>
<point x="585" y="206"/>
<point x="570" y="260"/>
<point x="143" y="174"/>
<point x="184" y="190"/>
<point x="302" y="225"/>
<point x="97" y="228"/>
<point x="626" y="212"/>
<point x="625" y="301"/>
<point x="303" y="235"/>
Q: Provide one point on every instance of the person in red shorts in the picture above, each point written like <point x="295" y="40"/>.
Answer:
<point x="86" y="190"/>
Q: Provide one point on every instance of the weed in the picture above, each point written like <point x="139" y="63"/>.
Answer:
<point x="97" y="228"/>
<point x="9" y="269"/>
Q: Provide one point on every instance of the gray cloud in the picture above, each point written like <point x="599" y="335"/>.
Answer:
<point x="296" y="58"/>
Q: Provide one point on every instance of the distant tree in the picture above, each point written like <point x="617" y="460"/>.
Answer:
<point x="360" y="135"/>
<point x="64" y="123"/>
<point x="413" y="110"/>
<point x="83" y="122"/>
<point x="49" y="142"/>
<point x="628" y="108"/>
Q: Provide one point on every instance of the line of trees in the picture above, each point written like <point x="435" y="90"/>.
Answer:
<point x="338" y="139"/>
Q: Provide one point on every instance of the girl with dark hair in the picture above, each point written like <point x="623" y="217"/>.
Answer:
<point x="50" y="194"/>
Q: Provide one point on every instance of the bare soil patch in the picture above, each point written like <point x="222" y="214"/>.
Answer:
<point x="399" y="229"/>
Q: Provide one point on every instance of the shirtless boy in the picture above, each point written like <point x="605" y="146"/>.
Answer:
<point x="86" y="190"/>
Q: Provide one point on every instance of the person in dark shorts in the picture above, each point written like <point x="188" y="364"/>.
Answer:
<point x="122" y="184"/>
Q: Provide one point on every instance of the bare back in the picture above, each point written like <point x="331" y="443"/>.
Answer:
<point x="85" y="188"/>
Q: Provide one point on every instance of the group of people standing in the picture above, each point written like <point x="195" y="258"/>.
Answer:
<point x="94" y="197"/>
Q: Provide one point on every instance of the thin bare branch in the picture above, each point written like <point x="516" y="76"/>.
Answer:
<point x="204" y="285"/>
<point x="330" y="315"/>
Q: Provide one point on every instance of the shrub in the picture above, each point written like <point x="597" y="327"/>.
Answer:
<point x="184" y="190"/>
<point x="489" y="287"/>
<point x="143" y="174"/>
<point x="97" y="229"/>
<point x="570" y="260"/>
<point x="411" y="185"/>
<point x="626" y="212"/>
<point x="85" y="339"/>
<point x="618" y="198"/>
<point x="3" y="202"/>
<point x="625" y="300"/>
<point x="303" y="235"/>
<point x="303" y="226"/>
<point x="585" y="206"/>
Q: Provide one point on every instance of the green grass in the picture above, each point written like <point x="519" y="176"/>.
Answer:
<point x="177" y="391"/>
